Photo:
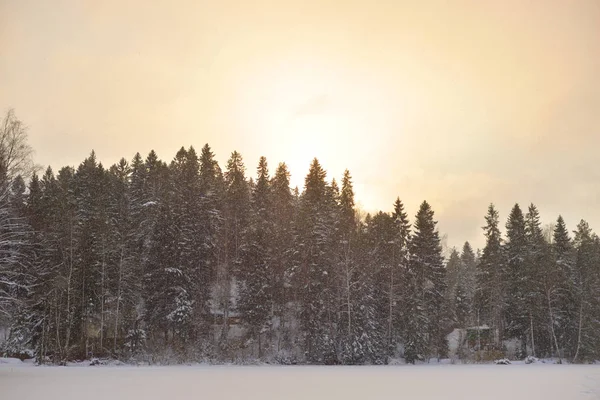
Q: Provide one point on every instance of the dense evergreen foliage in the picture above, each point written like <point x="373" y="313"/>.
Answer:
<point x="183" y="261"/>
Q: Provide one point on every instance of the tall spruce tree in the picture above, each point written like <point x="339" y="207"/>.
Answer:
<point x="314" y="275"/>
<point x="558" y="289"/>
<point x="381" y="235"/>
<point x="124" y="289"/>
<point x="468" y="281"/>
<point x="428" y="321"/>
<point x="234" y="240"/>
<point x="515" y="289"/>
<point x="282" y="254"/>
<point x="536" y="263"/>
<point x="489" y="303"/>
<point x="256" y="275"/>
<point x="453" y="272"/>
<point x="586" y="286"/>
<point x="212" y="191"/>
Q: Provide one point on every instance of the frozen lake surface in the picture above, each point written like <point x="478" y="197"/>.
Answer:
<point x="535" y="381"/>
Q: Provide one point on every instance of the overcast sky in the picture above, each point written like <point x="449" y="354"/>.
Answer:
<point x="461" y="103"/>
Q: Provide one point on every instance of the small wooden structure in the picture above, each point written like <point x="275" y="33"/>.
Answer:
<point x="479" y="337"/>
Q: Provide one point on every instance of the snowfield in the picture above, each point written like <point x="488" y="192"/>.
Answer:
<point x="506" y="382"/>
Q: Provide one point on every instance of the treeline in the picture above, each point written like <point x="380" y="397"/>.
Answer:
<point x="190" y="260"/>
<point x="542" y="288"/>
<point x="185" y="261"/>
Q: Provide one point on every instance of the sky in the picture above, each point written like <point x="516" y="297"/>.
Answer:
<point x="460" y="103"/>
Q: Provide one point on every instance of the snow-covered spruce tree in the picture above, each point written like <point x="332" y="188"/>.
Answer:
<point x="124" y="289"/>
<point x="256" y="274"/>
<point x="468" y="280"/>
<point x="282" y="251"/>
<point x="488" y="298"/>
<point x="380" y="252"/>
<point x="388" y="239"/>
<point x="346" y="273"/>
<point x="459" y="281"/>
<point x="586" y="286"/>
<point x="537" y="263"/>
<point x="145" y="190"/>
<point x="59" y="223"/>
<point x="44" y="269"/>
<point x="561" y="295"/>
<point x="515" y="289"/>
<point x="370" y="346"/>
<point x="427" y="320"/>
<point x="357" y="329"/>
<point x="462" y="305"/>
<point x="396" y="317"/>
<point x="236" y="210"/>
<point x="314" y="274"/>
<point x="187" y="229"/>
<point x="154" y="233"/>
<point x="453" y="271"/>
<point x="90" y="267"/>
<point x="212" y="189"/>
<point x="173" y="267"/>
<point x="37" y="276"/>
<point x="160" y="277"/>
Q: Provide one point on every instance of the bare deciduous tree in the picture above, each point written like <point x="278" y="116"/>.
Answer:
<point x="15" y="160"/>
<point x="15" y="153"/>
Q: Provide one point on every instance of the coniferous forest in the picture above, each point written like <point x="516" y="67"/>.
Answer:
<point x="184" y="260"/>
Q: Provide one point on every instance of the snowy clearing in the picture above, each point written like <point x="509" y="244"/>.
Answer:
<point x="506" y="382"/>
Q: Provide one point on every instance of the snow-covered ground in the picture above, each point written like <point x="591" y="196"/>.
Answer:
<point x="506" y="382"/>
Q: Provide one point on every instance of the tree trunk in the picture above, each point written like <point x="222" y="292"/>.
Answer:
<point x="118" y="302"/>
<point x="259" y="346"/>
<point x="552" y="324"/>
<point x="532" y="339"/>
<point x="348" y="305"/>
<point x="102" y="298"/>
<point x="391" y="305"/>
<point x="69" y="316"/>
<point x="57" y="316"/>
<point x="579" y="332"/>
